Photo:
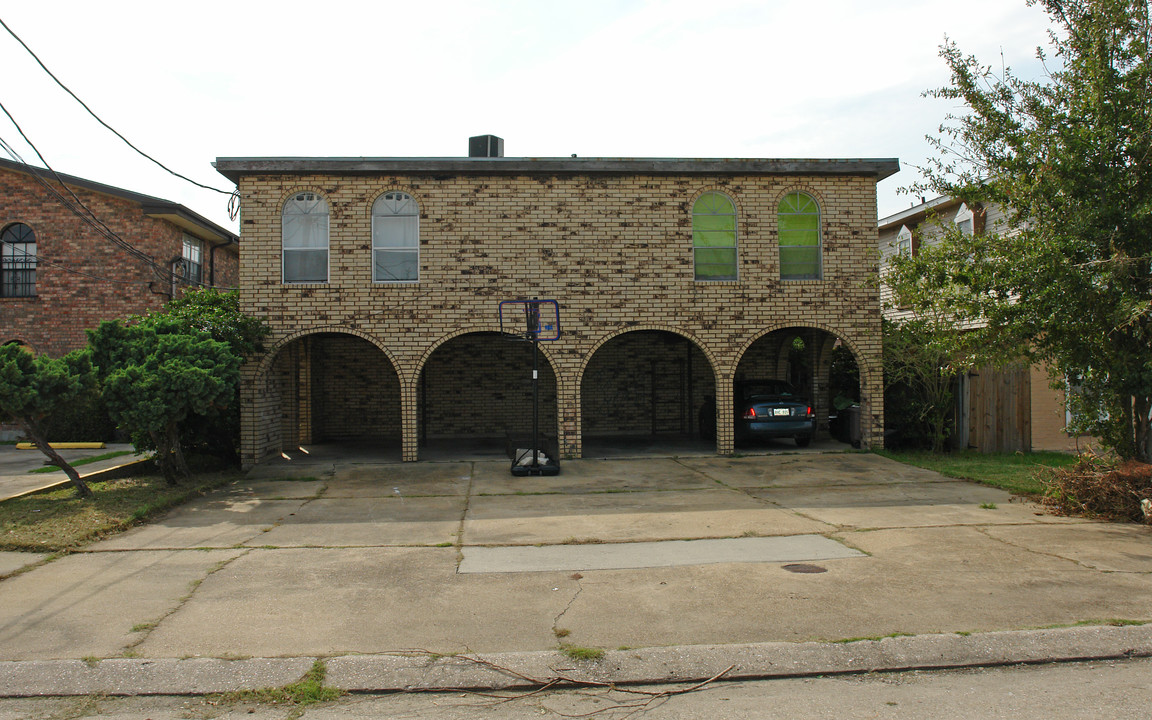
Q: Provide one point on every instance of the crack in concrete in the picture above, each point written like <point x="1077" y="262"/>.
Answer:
<point x="762" y="500"/>
<point x="579" y="589"/>
<point x="146" y="629"/>
<point x="464" y="515"/>
<point x="983" y="530"/>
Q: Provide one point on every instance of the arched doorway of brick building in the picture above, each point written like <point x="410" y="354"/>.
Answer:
<point x="474" y="398"/>
<point x="336" y="389"/>
<point x="821" y="369"/>
<point x="641" y="392"/>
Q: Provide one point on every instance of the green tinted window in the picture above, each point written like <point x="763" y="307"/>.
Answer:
<point x="798" y="226"/>
<point x="714" y="237"/>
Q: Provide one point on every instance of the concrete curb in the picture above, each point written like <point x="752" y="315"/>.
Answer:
<point x="110" y="473"/>
<point x="415" y="670"/>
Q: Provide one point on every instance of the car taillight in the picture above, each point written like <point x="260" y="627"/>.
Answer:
<point x="810" y="413"/>
<point x="750" y="414"/>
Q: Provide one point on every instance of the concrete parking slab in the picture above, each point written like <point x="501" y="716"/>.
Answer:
<point x="217" y="521"/>
<point x="361" y="480"/>
<point x="906" y="505"/>
<point x="626" y="517"/>
<point x="89" y="604"/>
<point x="948" y="567"/>
<point x="287" y="602"/>
<point x="367" y="521"/>
<point x="616" y="556"/>
<point x="591" y="476"/>
<point x="1109" y="547"/>
<point x="276" y="489"/>
<point x="841" y="469"/>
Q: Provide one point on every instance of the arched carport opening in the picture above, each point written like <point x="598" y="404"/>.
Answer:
<point x="820" y="367"/>
<point x="474" y="398"/>
<point x="643" y="390"/>
<point x="335" y="388"/>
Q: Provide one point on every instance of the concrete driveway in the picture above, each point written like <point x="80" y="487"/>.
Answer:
<point x="332" y="556"/>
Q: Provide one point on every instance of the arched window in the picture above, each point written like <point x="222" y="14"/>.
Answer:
<point x="904" y="245"/>
<point x="799" y="231"/>
<point x="714" y="237"/>
<point x="304" y="239"/>
<point x="964" y="220"/>
<point x="18" y="261"/>
<point x="395" y="238"/>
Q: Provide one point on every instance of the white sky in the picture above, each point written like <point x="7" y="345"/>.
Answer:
<point x="189" y="82"/>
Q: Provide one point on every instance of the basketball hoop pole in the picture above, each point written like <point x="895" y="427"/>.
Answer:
<point x="534" y="330"/>
<point x="540" y="322"/>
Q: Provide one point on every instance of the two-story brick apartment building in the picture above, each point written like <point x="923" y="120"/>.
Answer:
<point x="76" y="252"/>
<point x="381" y="278"/>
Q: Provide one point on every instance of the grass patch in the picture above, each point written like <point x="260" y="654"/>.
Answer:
<point x="987" y="506"/>
<point x="582" y="653"/>
<point x="58" y="520"/>
<point x="1017" y="473"/>
<point x="1112" y="622"/>
<point x="309" y="690"/>
<point x="83" y="461"/>
<point x="872" y="638"/>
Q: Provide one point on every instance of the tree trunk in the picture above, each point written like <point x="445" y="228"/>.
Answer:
<point x="1143" y="429"/>
<point x="180" y="464"/>
<point x="164" y="457"/>
<point x="41" y="441"/>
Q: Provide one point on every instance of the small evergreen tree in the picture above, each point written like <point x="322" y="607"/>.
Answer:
<point x="33" y="387"/>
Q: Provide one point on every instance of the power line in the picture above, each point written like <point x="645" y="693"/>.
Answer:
<point x="41" y="260"/>
<point x="106" y="125"/>
<point x="90" y="218"/>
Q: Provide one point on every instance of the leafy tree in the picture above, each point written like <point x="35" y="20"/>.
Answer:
<point x="33" y="387"/>
<point x="156" y="374"/>
<point x="929" y="345"/>
<point x="218" y="314"/>
<point x="1070" y="156"/>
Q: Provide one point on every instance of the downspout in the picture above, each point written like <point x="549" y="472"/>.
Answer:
<point x="212" y="260"/>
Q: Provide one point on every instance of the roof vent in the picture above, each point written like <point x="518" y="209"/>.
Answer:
<point x="485" y="146"/>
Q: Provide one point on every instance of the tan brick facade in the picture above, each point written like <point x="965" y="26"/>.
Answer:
<point x="611" y="243"/>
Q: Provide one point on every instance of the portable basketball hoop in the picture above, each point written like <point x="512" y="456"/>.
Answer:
<point x="533" y="321"/>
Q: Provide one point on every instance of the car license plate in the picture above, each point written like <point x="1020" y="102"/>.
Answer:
<point x="781" y="411"/>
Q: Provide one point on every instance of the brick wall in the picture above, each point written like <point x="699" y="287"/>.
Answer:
<point x="81" y="277"/>
<point x="614" y="250"/>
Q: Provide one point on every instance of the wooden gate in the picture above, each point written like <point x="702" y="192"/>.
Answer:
<point x="999" y="409"/>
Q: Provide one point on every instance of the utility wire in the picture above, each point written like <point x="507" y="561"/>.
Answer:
<point x="90" y="217"/>
<point x="109" y="127"/>
<point x="41" y="260"/>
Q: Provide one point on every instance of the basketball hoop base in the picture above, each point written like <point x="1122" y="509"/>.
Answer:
<point x="535" y="470"/>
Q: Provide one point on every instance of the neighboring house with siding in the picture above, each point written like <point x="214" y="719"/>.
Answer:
<point x="998" y="410"/>
<point x="76" y="254"/>
<point x="381" y="277"/>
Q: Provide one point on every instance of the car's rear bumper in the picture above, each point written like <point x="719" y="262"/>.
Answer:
<point x="777" y="428"/>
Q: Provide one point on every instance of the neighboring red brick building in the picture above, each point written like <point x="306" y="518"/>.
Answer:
<point x="61" y="273"/>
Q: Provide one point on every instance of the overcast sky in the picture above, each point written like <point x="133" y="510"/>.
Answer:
<point x="189" y="82"/>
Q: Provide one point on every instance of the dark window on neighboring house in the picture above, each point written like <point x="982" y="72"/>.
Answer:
<point x="395" y="238"/>
<point x="714" y="237"/>
<point x="193" y="260"/>
<point x="18" y="261"/>
<point x="304" y="238"/>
